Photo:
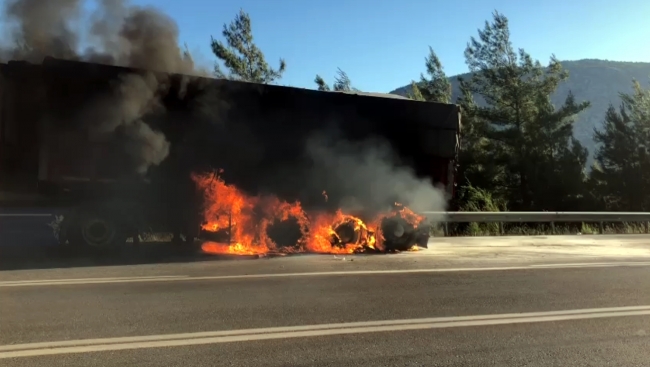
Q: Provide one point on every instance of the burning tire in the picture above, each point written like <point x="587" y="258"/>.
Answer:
<point x="285" y="233"/>
<point x="351" y="232"/>
<point x="400" y="235"/>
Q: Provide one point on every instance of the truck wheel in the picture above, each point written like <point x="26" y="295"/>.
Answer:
<point x="399" y="235"/>
<point x="96" y="230"/>
<point x="422" y="236"/>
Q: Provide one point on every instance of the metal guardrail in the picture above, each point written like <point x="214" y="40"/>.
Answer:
<point x="539" y="217"/>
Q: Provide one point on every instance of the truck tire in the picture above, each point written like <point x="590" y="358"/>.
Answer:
<point x="398" y="234"/>
<point x="95" y="228"/>
<point x="422" y="236"/>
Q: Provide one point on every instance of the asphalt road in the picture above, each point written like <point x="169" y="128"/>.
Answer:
<point x="201" y="315"/>
<point x="533" y="301"/>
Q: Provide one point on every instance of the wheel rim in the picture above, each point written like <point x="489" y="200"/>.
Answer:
<point x="347" y="233"/>
<point x="98" y="232"/>
<point x="398" y="230"/>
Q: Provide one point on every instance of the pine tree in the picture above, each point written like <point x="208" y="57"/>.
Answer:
<point x="322" y="84"/>
<point x="523" y="134"/>
<point x="556" y="159"/>
<point x="436" y="87"/>
<point x="476" y="167"/>
<point x="342" y="82"/>
<point x="415" y="93"/>
<point x="621" y="173"/>
<point x="241" y="57"/>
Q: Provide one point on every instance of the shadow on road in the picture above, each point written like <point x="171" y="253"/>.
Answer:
<point x="49" y="257"/>
<point x="28" y="243"/>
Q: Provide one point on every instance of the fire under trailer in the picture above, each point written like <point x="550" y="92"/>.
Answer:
<point x="50" y="156"/>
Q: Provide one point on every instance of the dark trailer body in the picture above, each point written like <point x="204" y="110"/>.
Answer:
<point x="256" y="133"/>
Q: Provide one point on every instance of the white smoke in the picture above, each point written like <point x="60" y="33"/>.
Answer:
<point x="370" y="175"/>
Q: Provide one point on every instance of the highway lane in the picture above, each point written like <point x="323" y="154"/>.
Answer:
<point x="590" y="343"/>
<point x="49" y="313"/>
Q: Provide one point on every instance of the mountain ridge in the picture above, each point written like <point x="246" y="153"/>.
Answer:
<point x="595" y="80"/>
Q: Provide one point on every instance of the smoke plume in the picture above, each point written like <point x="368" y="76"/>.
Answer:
<point x="370" y="176"/>
<point x="114" y="33"/>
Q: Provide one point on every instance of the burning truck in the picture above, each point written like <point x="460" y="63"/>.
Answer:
<point x="248" y="168"/>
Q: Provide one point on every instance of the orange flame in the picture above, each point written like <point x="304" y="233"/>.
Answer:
<point x="405" y="213"/>
<point x="323" y="237"/>
<point x="240" y="224"/>
<point x="242" y="220"/>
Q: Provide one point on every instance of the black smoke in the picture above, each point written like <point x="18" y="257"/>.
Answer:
<point x="116" y="33"/>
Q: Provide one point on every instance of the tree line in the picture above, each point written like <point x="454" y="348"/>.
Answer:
<point x="518" y="151"/>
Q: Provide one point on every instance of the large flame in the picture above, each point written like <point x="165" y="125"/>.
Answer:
<point x="323" y="236"/>
<point x="241" y="224"/>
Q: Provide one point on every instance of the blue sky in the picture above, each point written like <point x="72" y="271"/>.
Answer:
<point x="381" y="44"/>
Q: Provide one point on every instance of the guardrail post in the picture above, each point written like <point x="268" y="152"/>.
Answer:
<point x="552" y="227"/>
<point x="446" y="228"/>
<point x="602" y="228"/>
<point x="500" y="228"/>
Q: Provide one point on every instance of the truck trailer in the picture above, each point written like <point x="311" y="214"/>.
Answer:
<point x="57" y="150"/>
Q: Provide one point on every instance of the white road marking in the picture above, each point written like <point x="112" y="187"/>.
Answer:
<point x="25" y="215"/>
<point x="574" y="265"/>
<point x="176" y="278"/>
<point x="230" y="336"/>
<point x="27" y="283"/>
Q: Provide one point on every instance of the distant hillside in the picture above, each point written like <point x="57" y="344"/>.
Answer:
<point x="598" y="81"/>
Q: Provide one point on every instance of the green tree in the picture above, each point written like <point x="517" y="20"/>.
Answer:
<point x="415" y="93"/>
<point x="435" y="87"/>
<point x="556" y="159"/>
<point x="621" y="173"/>
<point x="342" y="82"/>
<point x="523" y="135"/>
<point x="243" y="59"/>
<point x="476" y="167"/>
